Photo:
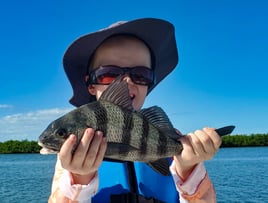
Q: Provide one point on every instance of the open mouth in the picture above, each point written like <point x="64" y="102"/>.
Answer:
<point x="132" y="96"/>
<point x="45" y="150"/>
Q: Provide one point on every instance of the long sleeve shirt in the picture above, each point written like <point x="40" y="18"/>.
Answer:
<point x="110" y="180"/>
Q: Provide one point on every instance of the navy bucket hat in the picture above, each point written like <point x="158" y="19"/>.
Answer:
<point x="157" y="34"/>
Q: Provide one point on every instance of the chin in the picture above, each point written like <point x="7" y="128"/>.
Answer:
<point x="136" y="106"/>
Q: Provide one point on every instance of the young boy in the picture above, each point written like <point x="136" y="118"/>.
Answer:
<point x="144" y="51"/>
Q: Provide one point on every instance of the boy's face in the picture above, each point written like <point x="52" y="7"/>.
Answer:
<point x="123" y="52"/>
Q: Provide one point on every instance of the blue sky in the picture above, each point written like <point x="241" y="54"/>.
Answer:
<point x="221" y="78"/>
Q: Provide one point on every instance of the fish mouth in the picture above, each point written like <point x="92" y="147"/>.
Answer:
<point x="46" y="150"/>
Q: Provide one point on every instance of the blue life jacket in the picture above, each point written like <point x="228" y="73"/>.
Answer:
<point x="114" y="176"/>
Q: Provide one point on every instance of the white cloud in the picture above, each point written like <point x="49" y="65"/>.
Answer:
<point x="4" y="106"/>
<point x="28" y="125"/>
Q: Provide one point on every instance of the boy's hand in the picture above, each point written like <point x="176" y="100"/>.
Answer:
<point x="87" y="158"/>
<point x="197" y="147"/>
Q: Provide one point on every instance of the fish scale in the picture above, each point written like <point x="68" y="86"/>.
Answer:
<point x="114" y="124"/>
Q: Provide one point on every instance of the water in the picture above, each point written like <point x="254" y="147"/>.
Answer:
<point x="238" y="174"/>
<point x="25" y="177"/>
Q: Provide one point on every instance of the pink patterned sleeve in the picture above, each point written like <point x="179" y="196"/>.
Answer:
<point x="198" y="188"/>
<point x="63" y="191"/>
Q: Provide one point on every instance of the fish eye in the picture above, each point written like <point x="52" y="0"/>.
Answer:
<point x="61" y="133"/>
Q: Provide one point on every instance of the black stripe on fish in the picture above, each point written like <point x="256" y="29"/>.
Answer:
<point x="101" y="117"/>
<point x="144" y="136"/>
<point x="127" y="126"/>
<point x="162" y="142"/>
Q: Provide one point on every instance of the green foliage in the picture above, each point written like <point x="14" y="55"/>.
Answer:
<point x="15" y="146"/>
<point x="245" y="140"/>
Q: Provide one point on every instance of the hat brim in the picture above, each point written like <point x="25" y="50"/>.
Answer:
<point x="156" y="33"/>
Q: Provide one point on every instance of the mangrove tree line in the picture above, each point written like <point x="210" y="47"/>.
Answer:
<point x="25" y="146"/>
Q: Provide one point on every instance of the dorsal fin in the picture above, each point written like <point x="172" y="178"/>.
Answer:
<point x="118" y="94"/>
<point x="156" y="116"/>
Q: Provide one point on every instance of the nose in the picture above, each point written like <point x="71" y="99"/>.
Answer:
<point x="127" y="79"/>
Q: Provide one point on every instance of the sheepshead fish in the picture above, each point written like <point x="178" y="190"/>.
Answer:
<point x="146" y="135"/>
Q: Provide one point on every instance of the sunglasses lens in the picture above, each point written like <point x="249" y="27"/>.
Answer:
<point x="142" y="75"/>
<point x="106" y="74"/>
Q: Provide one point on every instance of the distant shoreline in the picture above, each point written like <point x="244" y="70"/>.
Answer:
<point x="26" y="146"/>
<point x="54" y="154"/>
